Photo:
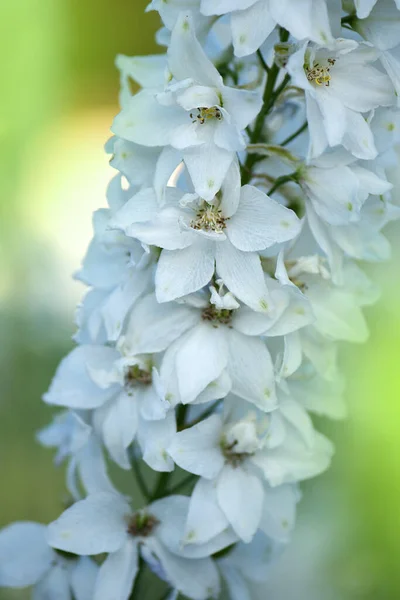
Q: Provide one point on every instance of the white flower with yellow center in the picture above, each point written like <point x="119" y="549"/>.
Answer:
<point x="199" y="237"/>
<point x="252" y="21"/>
<point x="196" y="113"/>
<point x="341" y="87"/>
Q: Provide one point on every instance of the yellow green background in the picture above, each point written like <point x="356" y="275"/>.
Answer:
<point x="58" y="94"/>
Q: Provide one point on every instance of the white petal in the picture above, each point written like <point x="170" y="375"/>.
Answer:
<point x="200" y="359"/>
<point x="153" y="406"/>
<point x="333" y="114"/>
<point x="91" y="526"/>
<point x="83" y="578"/>
<point x="240" y="496"/>
<point x="304" y="19"/>
<point x="220" y="7"/>
<point x="181" y="272"/>
<point x="358" y="138"/>
<point x="196" y="578"/>
<point x="145" y="121"/>
<point x="376" y="88"/>
<point x="72" y="386"/>
<point x="334" y="194"/>
<point x="364" y="7"/>
<point x="337" y="315"/>
<point x="230" y="191"/>
<point x="251" y="370"/>
<point x="242" y="273"/>
<point x="152" y="327"/>
<point x="260" y="222"/>
<point x="205" y="519"/>
<point x="251" y="27"/>
<point x="279" y="512"/>
<point x="186" y="57"/>
<point x="142" y="207"/>
<point x="154" y="439"/>
<point x="198" y="95"/>
<point x="147" y="71"/>
<point x="242" y="105"/>
<point x="119" y="425"/>
<point x="25" y="555"/>
<point x="53" y="586"/>
<point x="117" y="573"/>
<point x="167" y="163"/>
<point x="93" y="469"/>
<point x="197" y="449"/>
<point x="208" y="166"/>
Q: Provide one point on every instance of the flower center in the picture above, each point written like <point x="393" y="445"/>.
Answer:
<point x="320" y="74"/>
<point x="142" y="524"/>
<point x="217" y="316"/>
<point x="235" y="459"/>
<point x="135" y="377"/>
<point x="206" y="114"/>
<point x="209" y="218"/>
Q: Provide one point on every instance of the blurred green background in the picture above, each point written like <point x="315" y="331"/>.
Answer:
<point x="59" y="92"/>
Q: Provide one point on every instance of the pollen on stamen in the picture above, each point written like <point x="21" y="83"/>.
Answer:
<point x="320" y="74"/>
<point x="135" y="377"/>
<point x="209" y="218"/>
<point x="205" y="114"/>
<point x="142" y="524"/>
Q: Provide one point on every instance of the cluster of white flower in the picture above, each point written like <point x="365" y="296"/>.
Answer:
<point x="251" y="182"/>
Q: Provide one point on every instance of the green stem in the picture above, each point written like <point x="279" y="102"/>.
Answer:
<point x="281" y="181"/>
<point x="161" y="484"/>
<point x="140" y="479"/>
<point x="269" y="98"/>
<point x="294" y="135"/>
<point x="137" y="592"/>
<point x="262" y="61"/>
<point x="178" y="486"/>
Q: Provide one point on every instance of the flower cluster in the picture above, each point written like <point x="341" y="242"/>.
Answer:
<point x="250" y="184"/>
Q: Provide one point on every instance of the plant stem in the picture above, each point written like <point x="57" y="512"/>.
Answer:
<point x="175" y="488"/>
<point x="269" y="98"/>
<point x="140" y="479"/>
<point x="137" y="592"/>
<point x="294" y="135"/>
<point x="281" y="181"/>
<point x="262" y="61"/>
<point x="160" y="486"/>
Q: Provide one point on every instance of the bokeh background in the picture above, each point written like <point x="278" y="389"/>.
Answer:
<point x="59" y="92"/>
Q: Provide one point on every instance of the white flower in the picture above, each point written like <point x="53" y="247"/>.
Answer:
<point x="337" y="188"/>
<point x="26" y="559"/>
<point x="76" y="441"/>
<point x="123" y="390"/>
<point x="340" y="86"/>
<point x="119" y="270"/>
<point x="364" y="7"/>
<point x="252" y="21"/>
<point x="214" y="349"/>
<point x="106" y="523"/>
<point x="362" y="240"/>
<point x="199" y="237"/>
<point x="243" y="466"/>
<point x="169" y="12"/>
<point x="196" y="113"/>
<point x="249" y="563"/>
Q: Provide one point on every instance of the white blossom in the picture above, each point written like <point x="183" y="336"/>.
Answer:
<point x="226" y="272"/>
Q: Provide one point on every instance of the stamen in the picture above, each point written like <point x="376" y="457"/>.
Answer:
<point x="235" y="459"/>
<point x="217" y="316"/>
<point x="135" y="377"/>
<point x="320" y="75"/>
<point x="206" y="114"/>
<point x="142" y="524"/>
<point x="209" y="218"/>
